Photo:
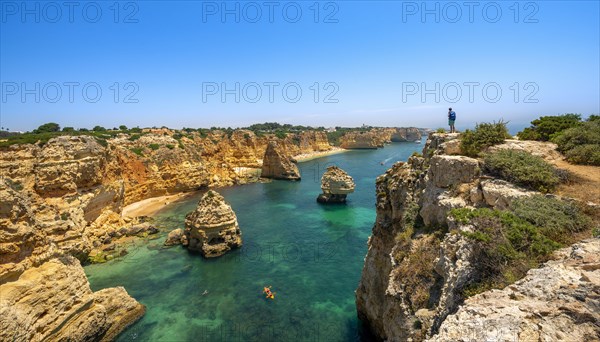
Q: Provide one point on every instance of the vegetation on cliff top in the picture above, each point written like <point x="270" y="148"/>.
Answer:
<point x="510" y="242"/>
<point x="472" y="142"/>
<point x="547" y="127"/>
<point x="522" y="168"/>
<point x="578" y="140"/>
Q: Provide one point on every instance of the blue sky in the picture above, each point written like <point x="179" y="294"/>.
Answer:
<point x="355" y="62"/>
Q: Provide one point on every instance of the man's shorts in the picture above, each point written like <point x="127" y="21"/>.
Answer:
<point x="450" y="122"/>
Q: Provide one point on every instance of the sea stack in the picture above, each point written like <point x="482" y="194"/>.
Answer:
<point x="277" y="165"/>
<point x="212" y="229"/>
<point x="336" y="184"/>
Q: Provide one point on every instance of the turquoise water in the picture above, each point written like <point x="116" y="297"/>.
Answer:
<point x="312" y="256"/>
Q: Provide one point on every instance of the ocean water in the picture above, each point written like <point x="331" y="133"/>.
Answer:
<point x="311" y="254"/>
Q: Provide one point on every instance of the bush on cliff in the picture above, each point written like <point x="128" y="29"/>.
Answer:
<point x="581" y="144"/>
<point x="547" y="127"/>
<point x="472" y="142"/>
<point x="509" y="243"/>
<point x="522" y="168"/>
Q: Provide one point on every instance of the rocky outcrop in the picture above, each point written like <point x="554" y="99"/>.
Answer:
<point x="360" y="140"/>
<point x="212" y="229"/>
<point x="406" y="134"/>
<point x="336" y="184"/>
<point x="277" y="165"/>
<point x="419" y="260"/>
<point x="54" y="302"/>
<point x="174" y="238"/>
<point x="556" y="302"/>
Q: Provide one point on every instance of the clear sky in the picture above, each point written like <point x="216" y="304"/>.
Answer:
<point x="382" y="63"/>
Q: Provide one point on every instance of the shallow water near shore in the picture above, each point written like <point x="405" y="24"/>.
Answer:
<point x="312" y="256"/>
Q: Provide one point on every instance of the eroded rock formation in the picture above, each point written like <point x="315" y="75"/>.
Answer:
<point x="212" y="229"/>
<point x="360" y="140"/>
<point x="277" y="165"/>
<point x="336" y="184"/>
<point x="411" y="285"/>
<point x="54" y="302"/>
<point x="557" y="302"/>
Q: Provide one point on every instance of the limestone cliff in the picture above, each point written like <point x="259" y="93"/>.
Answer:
<point x="212" y="229"/>
<point x="336" y="184"/>
<point x="360" y="140"/>
<point x="406" y="134"/>
<point x="378" y="137"/>
<point x="413" y="278"/>
<point x="277" y="165"/>
<point x="557" y="302"/>
<point x="53" y="302"/>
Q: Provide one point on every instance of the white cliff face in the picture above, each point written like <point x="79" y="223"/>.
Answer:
<point x="559" y="301"/>
<point x="212" y="229"/>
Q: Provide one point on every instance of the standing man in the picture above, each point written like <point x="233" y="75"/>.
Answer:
<point x="451" y="119"/>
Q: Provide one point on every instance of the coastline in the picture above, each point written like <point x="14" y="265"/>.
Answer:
<point x="318" y="154"/>
<point x="151" y="206"/>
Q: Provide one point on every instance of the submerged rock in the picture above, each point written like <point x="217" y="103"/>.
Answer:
<point x="174" y="237"/>
<point x="212" y="229"/>
<point x="336" y="184"/>
<point x="277" y="165"/>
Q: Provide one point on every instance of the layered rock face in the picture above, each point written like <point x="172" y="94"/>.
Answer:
<point x="360" y="140"/>
<point x="336" y="185"/>
<point x="412" y="281"/>
<point x="406" y="134"/>
<point x="557" y="302"/>
<point x="53" y="302"/>
<point x="277" y="165"/>
<point x="212" y="229"/>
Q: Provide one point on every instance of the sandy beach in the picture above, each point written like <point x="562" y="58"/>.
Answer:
<point x="318" y="154"/>
<point x="150" y="206"/>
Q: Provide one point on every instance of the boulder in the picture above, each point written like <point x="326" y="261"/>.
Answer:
<point x="174" y="237"/>
<point x="446" y="171"/>
<point x="212" y="229"/>
<point x="277" y="165"/>
<point x="336" y="185"/>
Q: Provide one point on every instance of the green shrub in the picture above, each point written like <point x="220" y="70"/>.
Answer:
<point x="134" y="137"/>
<point x="154" y="147"/>
<point x="581" y="144"/>
<point x="472" y="142"/>
<point x="506" y="247"/>
<point x="509" y="243"/>
<point x="280" y="134"/>
<point x="98" y="129"/>
<point x="555" y="218"/>
<point x="170" y="147"/>
<point x="138" y="151"/>
<point x="440" y="130"/>
<point x="68" y="129"/>
<point x="522" y="168"/>
<point x="547" y="127"/>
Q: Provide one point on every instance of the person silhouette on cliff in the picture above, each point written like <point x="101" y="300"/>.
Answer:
<point x="451" y="119"/>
